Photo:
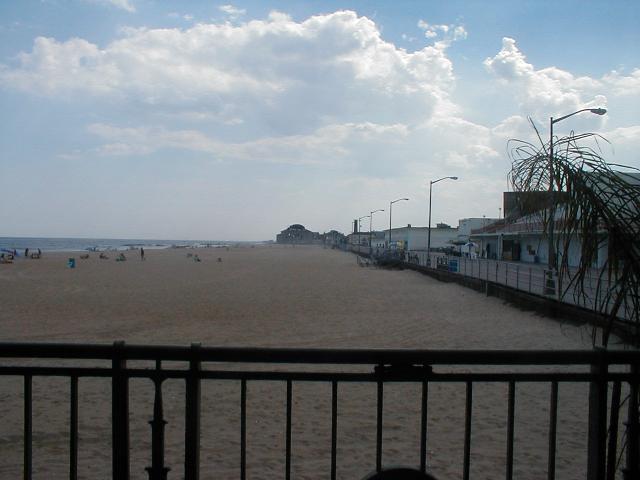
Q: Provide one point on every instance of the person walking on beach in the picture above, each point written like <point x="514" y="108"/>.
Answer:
<point x="26" y="253"/>
<point x="141" y="253"/>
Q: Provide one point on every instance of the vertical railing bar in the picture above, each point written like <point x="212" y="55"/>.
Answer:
<point x="243" y="429"/>
<point x="73" y="430"/>
<point x="157" y="470"/>
<point x="510" y="429"/>
<point x="632" y="470"/>
<point x="612" y="450"/>
<point x="467" y="431"/>
<point x="120" y="414"/>
<point x="28" y="427"/>
<point x="553" y="420"/>
<point x="334" y="427"/>
<point x="597" y="436"/>
<point x="192" y="417"/>
<point x="288" y="439"/>
<point x="379" y="408"/>
<point x="423" y="427"/>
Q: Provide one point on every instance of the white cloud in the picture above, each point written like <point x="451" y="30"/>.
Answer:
<point x="448" y="33"/>
<point x="460" y="144"/>
<point x="547" y="91"/>
<point x="624" y="85"/>
<point x="331" y="144"/>
<point x="232" y="11"/>
<point x="281" y="74"/>
<point x="625" y="143"/>
<point x="510" y="63"/>
<point x="122" y="4"/>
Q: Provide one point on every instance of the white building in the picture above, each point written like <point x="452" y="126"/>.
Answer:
<point x="466" y="225"/>
<point x="443" y="237"/>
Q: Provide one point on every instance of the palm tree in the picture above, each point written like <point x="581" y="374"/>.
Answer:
<point x="594" y="205"/>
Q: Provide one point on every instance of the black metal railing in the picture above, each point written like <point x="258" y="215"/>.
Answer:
<point x="605" y="372"/>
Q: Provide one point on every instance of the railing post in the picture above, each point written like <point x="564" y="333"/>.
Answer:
<point x="612" y="449"/>
<point x="192" y="418"/>
<point x="243" y="429"/>
<point x="510" y="429"/>
<point x="287" y="474"/>
<point x="334" y="428"/>
<point x="379" y="409"/>
<point x="120" y="414"/>
<point x="466" y="462"/>
<point x="553" y="424"/>
<point x="632" y="470"/>
<point x="596" y="464"/>
<point x="73" y="430"/>
<point x="423" y="427"/>
<point x="28" y="428"/>
<point x="157" y="470"/>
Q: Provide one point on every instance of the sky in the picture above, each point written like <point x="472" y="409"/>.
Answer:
<point x="217" y="121"/>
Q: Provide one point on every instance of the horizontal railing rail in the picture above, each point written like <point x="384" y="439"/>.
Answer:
<point x="336" y="356"/>
<point x="603" y="370"/>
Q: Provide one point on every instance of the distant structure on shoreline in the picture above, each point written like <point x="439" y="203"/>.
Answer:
<point x="298" y="234"/>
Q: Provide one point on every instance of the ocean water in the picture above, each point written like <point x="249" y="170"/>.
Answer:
<point x="96" y="244"/>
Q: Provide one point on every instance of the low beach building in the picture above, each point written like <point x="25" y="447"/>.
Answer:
<point x="409" y="238"/>
<point x="522" y="236"/>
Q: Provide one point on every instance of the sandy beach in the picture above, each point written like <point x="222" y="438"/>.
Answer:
<point x="281" y="297"/>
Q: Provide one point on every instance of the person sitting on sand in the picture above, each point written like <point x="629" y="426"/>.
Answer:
<point x="104" y="256"/>
<point x="4" y="259"/>
<point x="121" y="258"/>
<point x="196" y="258"/>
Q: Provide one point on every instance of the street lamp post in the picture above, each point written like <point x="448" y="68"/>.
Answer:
<point x="552" y="260"/>
<point x="360" y="230"/>
<point x="390" y="207"/>
<point x="370" y="223"/>
<point x="429" y="231"/>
